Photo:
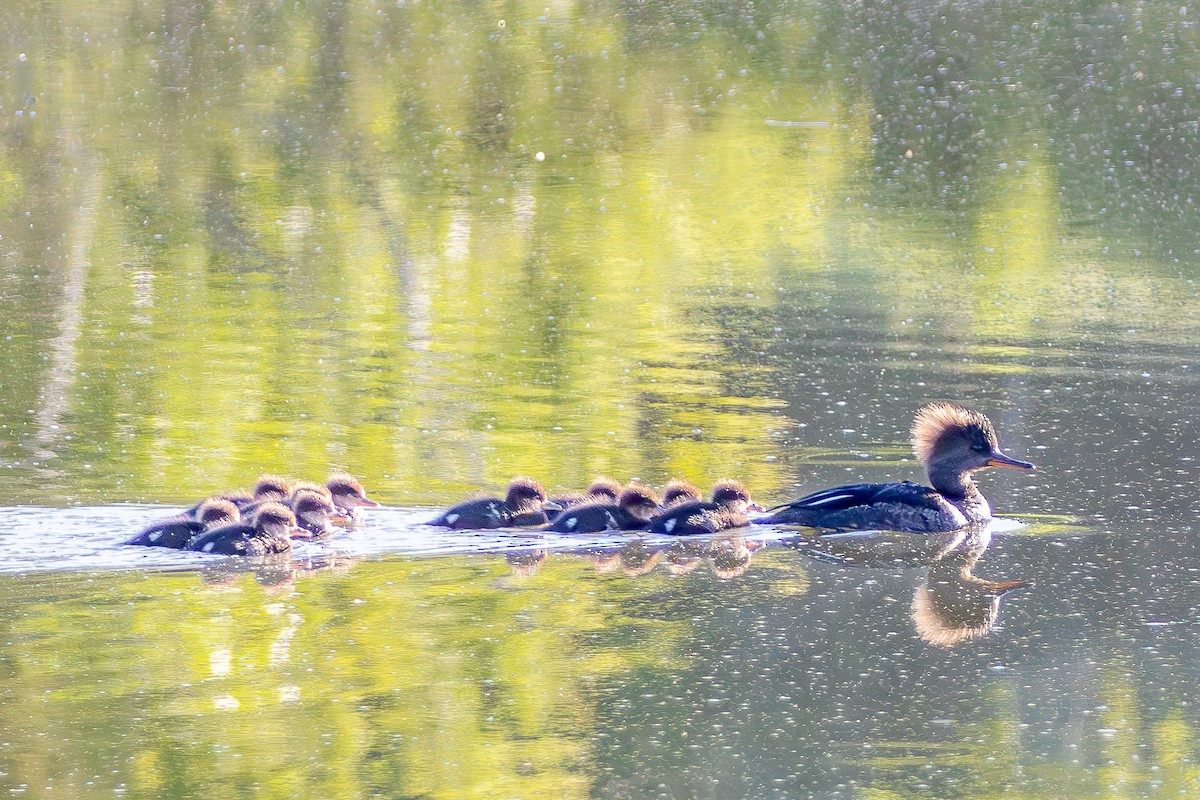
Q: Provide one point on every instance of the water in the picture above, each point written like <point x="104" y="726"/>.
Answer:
<point x="440" y="246"/>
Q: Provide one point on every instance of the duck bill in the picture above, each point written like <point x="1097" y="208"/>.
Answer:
<point x="300" y="533"/>
<point x="365" y="503"/>
<point x="755" y="507"/>
<point x="551" y="505"/>
<point x="998" y="459"/>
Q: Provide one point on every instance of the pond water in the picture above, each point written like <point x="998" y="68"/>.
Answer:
<point x="440" y="245"/>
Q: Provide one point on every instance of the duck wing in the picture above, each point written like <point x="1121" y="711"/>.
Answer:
<point x="840" y="498"/>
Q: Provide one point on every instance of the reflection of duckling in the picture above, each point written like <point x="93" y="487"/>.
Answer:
<point x="177" y="531"/>
<point x="953" y="605"/>
<point x="730" y="558"/>
<point x="678" y="490"/>
<point x="637" y="559"/>
<point x="952" y="442"/>
<point x="524" y="505"/>
<point x="630" y="513"/>
<point x="730" y="500"/>
<point x="527" y="563"/>
<point x="684" y="555"/>
<point x="271" y="532"/>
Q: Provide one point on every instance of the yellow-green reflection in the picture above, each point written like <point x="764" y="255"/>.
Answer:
<point x="440" y="246"/>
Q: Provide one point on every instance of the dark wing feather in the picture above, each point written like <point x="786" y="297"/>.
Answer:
<point x="840" y="498"/>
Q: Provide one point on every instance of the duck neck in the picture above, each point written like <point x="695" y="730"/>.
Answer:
<point x="960" y="489"/>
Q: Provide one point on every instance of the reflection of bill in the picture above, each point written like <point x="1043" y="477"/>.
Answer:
<point x="954" y="605"/>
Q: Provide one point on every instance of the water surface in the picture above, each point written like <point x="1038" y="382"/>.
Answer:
<point x="439" y="246"/>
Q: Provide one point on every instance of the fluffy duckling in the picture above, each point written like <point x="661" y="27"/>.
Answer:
<point x="678" y="490"/>
<point x="525" y="504"/>
<point x="952" y="442"/>
<point x="631" y="512"/>
<point x="349" y="495"/>
<point x="270" y="533"/>
<point x="314" y="512"/>
<point x="730" y="502"/>
<point x="175" y="532"/>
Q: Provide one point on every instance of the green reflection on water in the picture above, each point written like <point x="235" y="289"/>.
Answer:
<point x="440" y="246"/>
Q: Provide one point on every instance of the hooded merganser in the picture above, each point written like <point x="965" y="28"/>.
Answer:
<point x="175" y="532"/>
<point x="313" y="512"/>
<point x="272" y="531"/>
<point x="631" y="512"/>
<point x="349" y="495"/>
<point x="239" y="497"/>
<point x="602" y="489"/>
<point x="730" y="501"/>
<point x="524" y="505"/>
<point x="678" y="490"/>
<point x="272" y="488"/>
<point x="952" y="442"/>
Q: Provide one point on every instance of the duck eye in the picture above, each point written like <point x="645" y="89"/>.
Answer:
<point x="980" y="448"/>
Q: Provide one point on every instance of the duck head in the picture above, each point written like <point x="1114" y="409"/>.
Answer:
<point x="678" y="490"/>
<point x="274" y="519"/>
<point x="313" y="512"/>
<point x="217" y="511"/>
<point x="733" y="495"/>
<point x="952" y="440"/>
<point x="640" y="501"/>
<point x="348" y="494"/>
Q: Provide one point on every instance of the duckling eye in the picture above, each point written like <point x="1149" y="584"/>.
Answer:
<point x="979" y="448"/>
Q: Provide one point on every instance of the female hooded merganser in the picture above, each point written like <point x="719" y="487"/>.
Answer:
<point x="524" y="505"/>
<point x="272" y="532"/>
<point x="952" y="442"/>
<point x="631" y="512"/>
<point x="349" y="495"/>
<point x="678" y="490"/>
<point x="175" y="532"/>
<point x="730" y="501"/>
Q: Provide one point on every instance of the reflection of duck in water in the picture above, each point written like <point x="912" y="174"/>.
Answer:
<point x="524" y="505"/>
<point x="730" y="557"/>
<point x="952" y="442"/>
<point x="527" y="563"/>
<point x="954" y="605"/>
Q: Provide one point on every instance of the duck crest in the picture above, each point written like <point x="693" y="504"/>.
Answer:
<point x="936" y="420"/>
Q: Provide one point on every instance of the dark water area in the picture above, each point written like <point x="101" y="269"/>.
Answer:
<point x="437" y="246"/>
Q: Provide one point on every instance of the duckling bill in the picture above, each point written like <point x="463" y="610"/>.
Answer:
<point x="953" y="443"/>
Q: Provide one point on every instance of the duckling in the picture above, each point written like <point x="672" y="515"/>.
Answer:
<point x="239" y="497"/>
<point x="349" y="495"/>
<point x="730" y="502"/>
<point x="175" y="532"/>
<point x="602" y="489"/>
<point x="272" y="487"/>
<point x="272" y="531"/>
<point x="524" y="505"/>
<point x="631" y="512"/>
<point x="952" y="442"/>
<point x="678" y="490"/>
<point x="313" y="512"/>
